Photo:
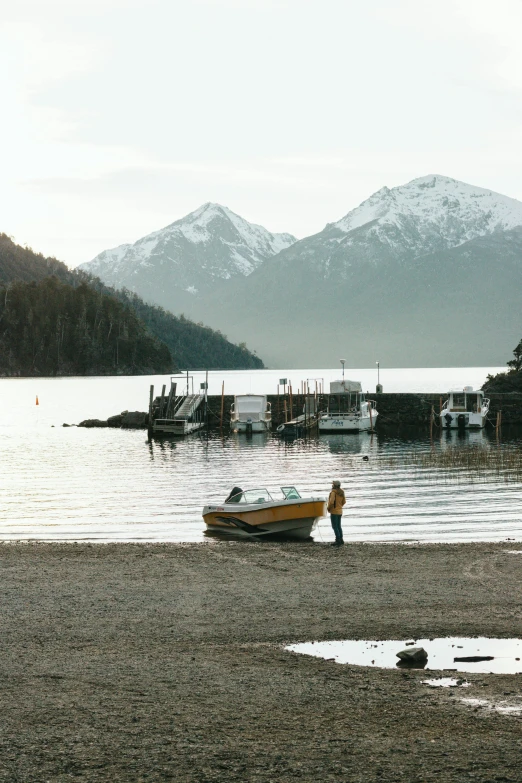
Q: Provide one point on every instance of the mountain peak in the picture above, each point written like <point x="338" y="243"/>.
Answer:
<point x="190" y="255"/>
<point x="433" y="212"/>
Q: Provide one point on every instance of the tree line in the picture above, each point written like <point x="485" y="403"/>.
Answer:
<point x="190" y="345"/>
<point x="510" y="381"/>
<point x="53" y="328"/>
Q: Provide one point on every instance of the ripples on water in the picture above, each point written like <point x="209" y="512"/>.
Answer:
<point x="113" y="485"/>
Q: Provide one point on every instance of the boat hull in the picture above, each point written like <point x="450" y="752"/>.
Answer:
<point x="250" y="426"/>
<point x="471" y="421"/>
<point x="467" y="421"/>
<point x="288" y="518"/>
<point x="346" y="423"/>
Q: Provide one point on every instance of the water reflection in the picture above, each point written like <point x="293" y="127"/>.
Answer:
<point x="364" y="443"/>
<point x="466" y="438"/>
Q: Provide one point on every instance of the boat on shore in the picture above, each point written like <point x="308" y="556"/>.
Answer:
<point x="250" y="413"/>
<point x="465" y="408"/>
<point x="348" y="410"/>
<point x="254" y="512"/>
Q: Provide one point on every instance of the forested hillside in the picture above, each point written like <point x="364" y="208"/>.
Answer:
<point x="21" y="263"/>
<point x="191" y="345"/>
<point x="53" y="328"/>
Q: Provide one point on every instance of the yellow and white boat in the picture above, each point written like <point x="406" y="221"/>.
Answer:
<point x="254" y="512"/>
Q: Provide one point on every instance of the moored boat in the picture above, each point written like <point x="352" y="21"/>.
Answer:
<point x="348" y="409"/>
<point x="250" y="413"/>
<point x="303" y="424"/>
<point x="465" y="408"/>
<point x="254" y="512"/>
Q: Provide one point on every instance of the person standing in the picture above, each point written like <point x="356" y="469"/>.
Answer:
<point x="336" y="502"/>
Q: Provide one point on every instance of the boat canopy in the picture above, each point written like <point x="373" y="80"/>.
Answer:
<point x="466" y="399"/>
<point x="250" y="407"/>
<point x="344" y="387"/>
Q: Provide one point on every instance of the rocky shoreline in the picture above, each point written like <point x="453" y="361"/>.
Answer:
<point x="129" y="662"/>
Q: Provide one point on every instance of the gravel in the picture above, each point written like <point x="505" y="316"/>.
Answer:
<point x="128" y="662"/>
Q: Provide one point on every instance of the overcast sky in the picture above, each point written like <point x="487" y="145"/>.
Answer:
<point x="120" y="116"/>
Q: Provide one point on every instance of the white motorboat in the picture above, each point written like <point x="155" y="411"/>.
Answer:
<point x="254" y="512"/>
<point x="250" y="413"/>
<point x="348" y="409"/>
<point x="465" y="409"/>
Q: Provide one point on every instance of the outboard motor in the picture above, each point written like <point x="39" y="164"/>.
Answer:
<point x="449" y="419"/>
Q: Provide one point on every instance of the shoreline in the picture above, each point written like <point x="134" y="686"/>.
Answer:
<point x="222" y="540"/>
<point x="134" y="662"/>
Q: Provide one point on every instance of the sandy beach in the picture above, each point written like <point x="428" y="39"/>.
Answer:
<point x="166" y="662"/>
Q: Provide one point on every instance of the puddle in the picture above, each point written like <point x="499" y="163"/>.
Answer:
<point x="504" y="707"/>
<point x="446" y="682"/>
<point x="513" y="551"/>
<point x="505" y="654"/>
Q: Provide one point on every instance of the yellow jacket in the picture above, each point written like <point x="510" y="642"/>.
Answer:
<point x="336" y="502"/>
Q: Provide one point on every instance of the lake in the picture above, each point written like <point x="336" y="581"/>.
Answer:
<point x="102" y="485"/>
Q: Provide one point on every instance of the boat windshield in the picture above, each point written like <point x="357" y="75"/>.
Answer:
<point x="290" y="493"/>
<point x="253" y="496"/>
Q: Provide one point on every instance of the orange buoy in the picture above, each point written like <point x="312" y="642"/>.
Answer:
<point x="37" y="400"/>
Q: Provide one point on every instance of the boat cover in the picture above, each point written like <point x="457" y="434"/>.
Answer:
<point x="250" y="406"/>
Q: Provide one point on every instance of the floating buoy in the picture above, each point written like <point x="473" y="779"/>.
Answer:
<point x="37" y="400"/>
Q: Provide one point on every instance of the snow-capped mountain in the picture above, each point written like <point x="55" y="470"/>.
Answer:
<point x="431" y="213"/>
<point x="188" y="257"/>
<point x="417" y="275"/>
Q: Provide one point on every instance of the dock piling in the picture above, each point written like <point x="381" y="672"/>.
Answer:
<point x="151" y="399"/>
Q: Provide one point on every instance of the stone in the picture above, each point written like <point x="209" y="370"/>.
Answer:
<point x="413" y="655"/>
<point x="115" y="421"/>
<point x="93" y="423"/>
<point x="134" y="420"/>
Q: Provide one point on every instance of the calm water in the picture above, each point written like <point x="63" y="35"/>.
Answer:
<point x="111" y="485"/>
<point x="506" y="653"/>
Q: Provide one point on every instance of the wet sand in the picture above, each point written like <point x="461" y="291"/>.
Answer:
<point x="166" y="662"/>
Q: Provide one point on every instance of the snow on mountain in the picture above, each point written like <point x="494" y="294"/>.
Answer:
<point x="111" y="258"/>
<point x="432" y="213"/>
<point x="189" y="256"/>
<point x="394" y="278"/>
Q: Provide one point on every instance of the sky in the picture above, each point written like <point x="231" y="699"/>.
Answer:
<point x="120" y="116"/>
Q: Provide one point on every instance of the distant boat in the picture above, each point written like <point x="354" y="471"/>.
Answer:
<point x="254" y="512"/>
<point x="306" y="421"/>
<point x="250" y="413"/>
<point x="348" y="409"/>
<point x="465" y="409"/>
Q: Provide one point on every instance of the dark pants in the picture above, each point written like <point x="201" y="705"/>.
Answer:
<point x="336" y="524"/>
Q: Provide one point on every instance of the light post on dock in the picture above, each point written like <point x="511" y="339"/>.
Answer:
<point x="343" y="362"/>
<point x="378" y="388"/>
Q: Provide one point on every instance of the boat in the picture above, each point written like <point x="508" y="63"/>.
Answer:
<point x="254" y="512"/>
<point x="250" y="413"/>
<point x="348" y="409"/>
<point x="302" y="424"/>
<point x="465" y="408"/>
